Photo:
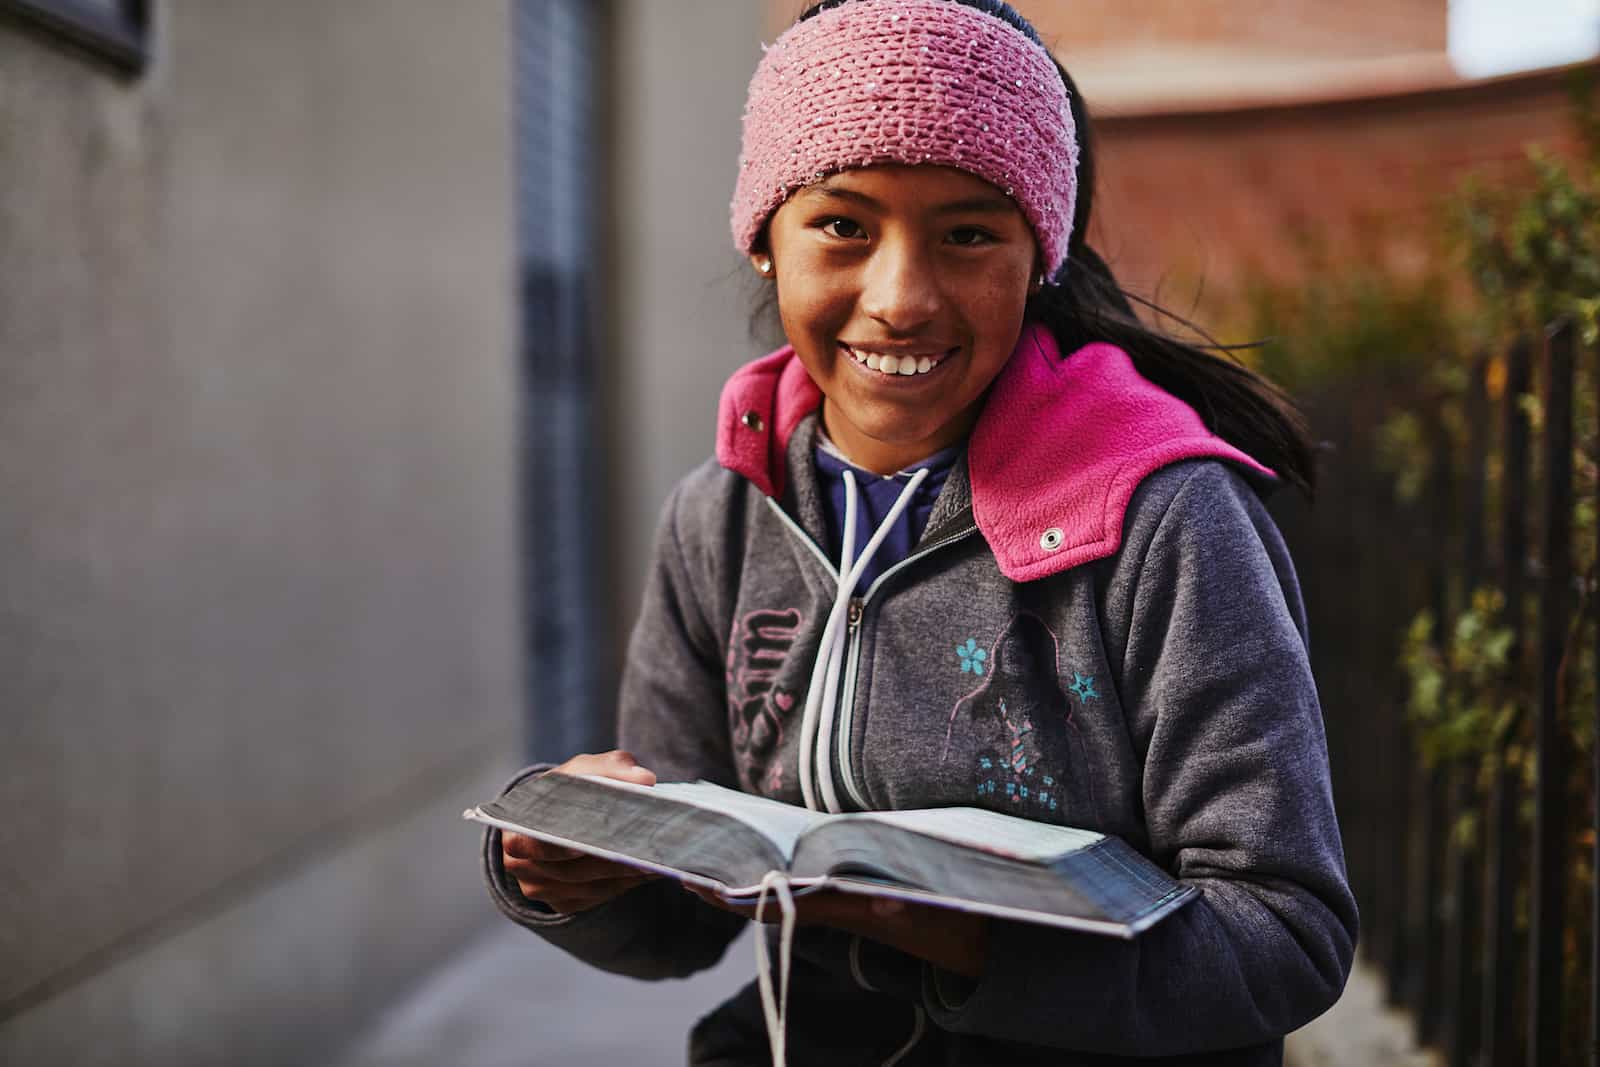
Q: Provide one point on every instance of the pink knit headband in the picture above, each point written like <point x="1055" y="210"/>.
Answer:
<point x="909" y="81"/>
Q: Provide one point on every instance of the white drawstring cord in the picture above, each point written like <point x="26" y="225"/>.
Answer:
<point x="775" y="1010"/>
<point x="822" y="701"/>
<point x="823" y="673"/>
<point x="816" y="727"/>
<point x="918" y="1025"/>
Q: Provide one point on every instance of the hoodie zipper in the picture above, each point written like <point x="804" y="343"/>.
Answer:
<point x="847" y="699"/>
<point x="855" y="613"/>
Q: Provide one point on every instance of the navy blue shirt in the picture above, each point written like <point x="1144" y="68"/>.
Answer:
<point x="875" y="495"/>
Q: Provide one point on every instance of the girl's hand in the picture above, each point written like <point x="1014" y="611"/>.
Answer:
<point x="954" y="940"/>
<point x="562" y="878"/>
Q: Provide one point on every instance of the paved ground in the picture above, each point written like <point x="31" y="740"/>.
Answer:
<point x="1359" y="1030"/>
<point x="510" y="1000"/>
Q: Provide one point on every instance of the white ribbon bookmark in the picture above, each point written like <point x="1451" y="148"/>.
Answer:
<point x="775" y="1010"/>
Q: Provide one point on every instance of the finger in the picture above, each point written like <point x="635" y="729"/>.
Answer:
<point x="569" y="901"/>
<point x="544" y="889"/>
<point x="613" y="764"/>
<point x="771" y="913"/>
<point x="579" y="871"/>
<point x="559" y="854"/>
<point x="525" y="847"/>
<point x="585" y="869"/>
<point x="521" y="868"/>
<point x="624" y="765"/>
<point x="712" y="898"/>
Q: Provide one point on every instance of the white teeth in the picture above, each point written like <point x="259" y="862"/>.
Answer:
<point x="903" y="365"/>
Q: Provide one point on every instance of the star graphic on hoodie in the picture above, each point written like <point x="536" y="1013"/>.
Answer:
<point x="1083" y="686"/>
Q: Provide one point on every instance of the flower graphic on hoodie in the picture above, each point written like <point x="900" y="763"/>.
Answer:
<point x="971" y="656"/>
<point x="1019" y="730"/>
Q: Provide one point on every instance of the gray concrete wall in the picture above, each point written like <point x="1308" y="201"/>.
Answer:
<point x="258" y="624"/>
<point x="678" y="313"/>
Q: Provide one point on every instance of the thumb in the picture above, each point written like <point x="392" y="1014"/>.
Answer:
<point x="623" y="765"/>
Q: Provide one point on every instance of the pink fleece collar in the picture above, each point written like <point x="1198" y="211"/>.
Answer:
<point x="1053" y="460"/>
<point x="761" y="406"/>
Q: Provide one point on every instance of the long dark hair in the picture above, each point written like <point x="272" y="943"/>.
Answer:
<point x="1088" y="304"/>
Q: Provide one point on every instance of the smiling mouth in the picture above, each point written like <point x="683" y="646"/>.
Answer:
<point x="905" y="365"/>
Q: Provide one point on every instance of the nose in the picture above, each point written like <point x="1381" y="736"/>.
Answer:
<point x="900" y="288"/>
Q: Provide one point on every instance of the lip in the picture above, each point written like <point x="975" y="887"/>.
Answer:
<point x="900" y="349"/>
<point x="938" y="354"/>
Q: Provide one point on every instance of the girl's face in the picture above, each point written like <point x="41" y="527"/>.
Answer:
<point x="902" y="291"/>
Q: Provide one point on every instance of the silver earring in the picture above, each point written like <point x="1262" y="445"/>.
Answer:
<point x="765" y="266"/>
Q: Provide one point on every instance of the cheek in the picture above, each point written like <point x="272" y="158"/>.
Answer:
<point x="811" y="299"/>
<point x="1003" y="296"/>
<point x="809" y="306"/>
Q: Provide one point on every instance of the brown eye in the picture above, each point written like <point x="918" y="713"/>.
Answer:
<point x="968" y="236"/>
<point x="845" y="228"/>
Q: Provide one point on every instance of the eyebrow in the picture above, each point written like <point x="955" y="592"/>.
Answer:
<point x="989" y="205"/>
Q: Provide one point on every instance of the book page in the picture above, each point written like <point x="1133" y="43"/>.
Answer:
<point x="990" y="831"/>
<point x="780" y="823"/>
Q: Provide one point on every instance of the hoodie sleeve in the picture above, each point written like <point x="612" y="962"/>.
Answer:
<point x="672" y="720"/>
<point x="1203" y="618"/>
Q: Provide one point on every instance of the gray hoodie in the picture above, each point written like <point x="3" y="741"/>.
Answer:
<point x="1160" y="692"/>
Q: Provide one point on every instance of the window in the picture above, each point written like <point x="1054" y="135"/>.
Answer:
<point x="115" y="31"/>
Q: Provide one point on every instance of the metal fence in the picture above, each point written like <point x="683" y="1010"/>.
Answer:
<point x="1462" y="863"/>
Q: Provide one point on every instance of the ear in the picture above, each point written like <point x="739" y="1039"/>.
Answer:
<point x="762" y="263"/>
<point x="1036" y="282"/>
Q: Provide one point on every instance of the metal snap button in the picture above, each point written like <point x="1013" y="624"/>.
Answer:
<point x="752" y="421"/>
<point x="1051" y="539"/>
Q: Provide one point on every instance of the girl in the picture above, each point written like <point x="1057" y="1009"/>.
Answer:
<point x="976" y="536"/>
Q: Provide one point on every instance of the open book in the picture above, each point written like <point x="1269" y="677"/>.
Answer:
<point x="967" y="858"/>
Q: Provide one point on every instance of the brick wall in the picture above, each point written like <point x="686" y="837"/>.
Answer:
<point x="1221" y="198"/>
<point x="1350" y="28"/>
